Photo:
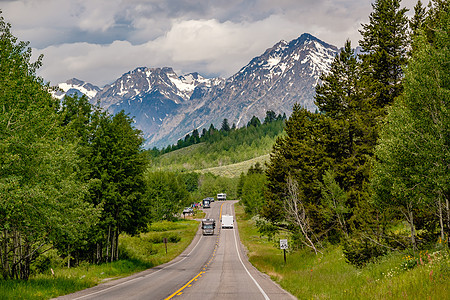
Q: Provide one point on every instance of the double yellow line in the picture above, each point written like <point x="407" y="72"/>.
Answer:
<point x="179" y="291"/>
<point x="184" y="286"/>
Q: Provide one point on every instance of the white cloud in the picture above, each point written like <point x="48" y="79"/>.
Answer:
<point x="98" y="40"/>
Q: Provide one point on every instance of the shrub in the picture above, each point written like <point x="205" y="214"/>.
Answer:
<point x="358" y="251"/>
<point x="173" y="238"/>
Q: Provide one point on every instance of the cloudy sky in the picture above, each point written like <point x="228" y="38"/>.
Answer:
<point x="99" y="40"/>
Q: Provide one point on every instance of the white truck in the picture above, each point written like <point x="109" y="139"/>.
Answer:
<point x="227" y="221"/>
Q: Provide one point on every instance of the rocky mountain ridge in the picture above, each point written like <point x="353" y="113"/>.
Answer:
<point x="166" y="106"/>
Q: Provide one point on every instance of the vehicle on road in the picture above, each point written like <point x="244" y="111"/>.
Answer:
<point x="227" y="221"/>
<point x="221" y="196"/>
<point x="188" y="210"/>
<point x="206" y="203"/>
<point x="208" y="226"/>
<point x="210" y="199"/>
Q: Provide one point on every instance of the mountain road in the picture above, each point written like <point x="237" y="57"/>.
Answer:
<point x="211" y="267"/>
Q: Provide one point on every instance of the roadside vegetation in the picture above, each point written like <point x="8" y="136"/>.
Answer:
<point x="136" y="253"/>
<point x="423" y="275"/>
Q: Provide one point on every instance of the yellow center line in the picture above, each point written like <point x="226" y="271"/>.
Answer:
<point x="184" y="286"/>
<point x="177" y="293"/>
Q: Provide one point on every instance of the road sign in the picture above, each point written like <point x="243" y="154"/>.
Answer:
<point x="283" y="244"/>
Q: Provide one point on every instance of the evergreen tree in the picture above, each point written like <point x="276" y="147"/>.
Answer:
<point x="418" y="19"/>
<point x="300" y="154"/>
<point x="117" y="163"/>
<point x="270" y="117"/>
<point x="254" y="121"/>
<point x="195" y="136"/>
<point x="225" y="126"/>
<point x="385" y="44"/>
<point x="340" y="91"/>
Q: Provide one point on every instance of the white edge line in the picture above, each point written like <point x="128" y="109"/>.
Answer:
<point x="259" y="287"/>
<point x="128" y="281"/>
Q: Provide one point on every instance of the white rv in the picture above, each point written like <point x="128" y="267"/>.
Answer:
<point x="221" y="197"/>
<point x="227" y="221"/>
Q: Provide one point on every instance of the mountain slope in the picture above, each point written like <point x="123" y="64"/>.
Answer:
<point x="282" y="76"/>
<point x="166" y="106"/>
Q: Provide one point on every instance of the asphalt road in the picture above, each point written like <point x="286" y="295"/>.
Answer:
<point x="212" y="267"/>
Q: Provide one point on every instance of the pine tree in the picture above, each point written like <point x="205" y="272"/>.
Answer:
<point x="385" y="45"/>
<point x="225" y="126"/>
<point x="418" y="19"/>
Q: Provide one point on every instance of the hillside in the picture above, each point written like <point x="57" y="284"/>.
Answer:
<point x="227" y="155"/>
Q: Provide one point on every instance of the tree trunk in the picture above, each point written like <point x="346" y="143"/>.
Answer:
<point x="413" y="230"/>
<point x="441" y="221"/>
<point x="448" y="220"/>
<point x="112" y="245"/>
<point x="117" y="243"/>
<point x="107" y="242"/>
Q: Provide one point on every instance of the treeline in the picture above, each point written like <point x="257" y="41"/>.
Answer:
<point x="72" y="178"/>
<point x="224" y="147"/>
<point x="213" y="135"/>
<point x="377" y="155"/>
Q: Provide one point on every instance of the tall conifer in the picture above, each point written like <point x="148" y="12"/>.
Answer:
<point x="385" y="44"/>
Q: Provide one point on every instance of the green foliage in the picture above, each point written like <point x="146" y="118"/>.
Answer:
<point x="212" y="135"/>
<point x="329" y="154"/>
<point x="411" y="170"/>
<point x="211" y="185"/>
<point x="166" y="195"/>
<point x="253" y="192"/>
<point x="41" y="196"/>
<point x="359" y="251"/>
<point x="385" y="44"/>
<point x="334" y="201"/>
<point x="328" y="276"/>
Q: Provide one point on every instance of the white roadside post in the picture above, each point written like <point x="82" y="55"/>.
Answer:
<point x="284" y="246"/>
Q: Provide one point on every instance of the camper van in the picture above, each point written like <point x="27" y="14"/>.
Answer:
<point x="208" y="226"/>
<point x="221" y="197"/>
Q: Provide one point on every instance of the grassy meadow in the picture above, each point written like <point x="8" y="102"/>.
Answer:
<point x="137" y="254"/>
<point x="234" y="170"/>
<point x="327" y="275"/>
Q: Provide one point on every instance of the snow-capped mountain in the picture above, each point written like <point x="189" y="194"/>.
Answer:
<point x="151" y="95"/>
<point x="166" y="106"/>
<point x="283" y="75"/>
<point x="76" y="86"/>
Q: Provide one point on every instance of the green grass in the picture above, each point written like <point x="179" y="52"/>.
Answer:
<point x="328" y="276"/>
<point x="141" y="252"/>
<point x="235" y="170"/>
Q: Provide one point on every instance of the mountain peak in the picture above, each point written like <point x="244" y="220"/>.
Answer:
<point x="305" y="38"/>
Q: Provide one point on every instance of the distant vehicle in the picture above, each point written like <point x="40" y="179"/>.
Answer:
<point x="208" y="226"/>
<point x="206" y="203"/>
<point x="210" y="199"/>
<point x="227" y="221"/>
<point x="222" y="196"/>
<point x="188" y="210"/>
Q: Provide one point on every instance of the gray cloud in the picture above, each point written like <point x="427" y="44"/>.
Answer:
<point x="98" y="40"/>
